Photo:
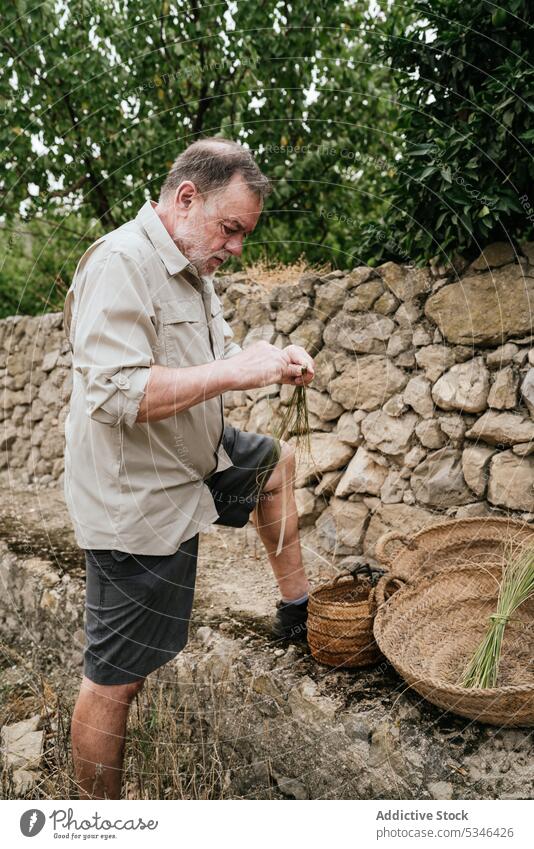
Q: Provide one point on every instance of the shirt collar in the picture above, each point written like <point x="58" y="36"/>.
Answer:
<point x="173" y="259"/>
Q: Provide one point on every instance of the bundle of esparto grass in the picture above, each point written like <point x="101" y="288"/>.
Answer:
<point x="517" y="586"/>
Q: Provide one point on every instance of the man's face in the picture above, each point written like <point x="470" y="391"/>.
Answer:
<point x="211" y="229"/>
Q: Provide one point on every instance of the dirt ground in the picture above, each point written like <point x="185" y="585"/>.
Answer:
<point x="234" y="577"/>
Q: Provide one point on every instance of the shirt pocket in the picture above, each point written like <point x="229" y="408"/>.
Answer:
<point x="185" y="333"/>
<point x="217" y="326"/>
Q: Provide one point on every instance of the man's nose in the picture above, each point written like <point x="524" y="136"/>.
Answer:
<point x="235" y="244"/>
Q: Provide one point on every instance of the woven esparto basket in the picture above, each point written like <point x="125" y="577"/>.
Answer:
<point x="429" y="625"/>
<point x="451" y="543"/>
<point x="340" y="620"/>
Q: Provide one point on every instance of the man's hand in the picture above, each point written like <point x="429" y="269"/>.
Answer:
<point x="262" y="364"/>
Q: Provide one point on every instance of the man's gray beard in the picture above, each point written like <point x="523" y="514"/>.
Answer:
<point x="197" y="263"/>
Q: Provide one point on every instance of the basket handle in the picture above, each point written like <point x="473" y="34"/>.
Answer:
<point x="384" y="541"/>
<point x="380" y="591"/>
<point x="358" y="569"/>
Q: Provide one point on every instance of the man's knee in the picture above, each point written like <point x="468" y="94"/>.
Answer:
<point x="118" y="693"/>
<point x="284" y="471"/>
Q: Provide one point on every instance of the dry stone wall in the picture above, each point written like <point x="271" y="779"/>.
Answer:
<point x="422" y="406"/>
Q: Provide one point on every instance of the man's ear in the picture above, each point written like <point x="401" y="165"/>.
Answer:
<point x="184" y="195"/>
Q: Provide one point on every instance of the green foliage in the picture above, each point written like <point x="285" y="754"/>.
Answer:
<point x="465" y="83"/>
<point x="100" y="97"/>
<point x="37" y="260"/>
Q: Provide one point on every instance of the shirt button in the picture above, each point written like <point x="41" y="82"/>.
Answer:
<point x="123" y="381"/>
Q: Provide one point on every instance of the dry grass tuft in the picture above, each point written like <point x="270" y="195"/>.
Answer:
<point x="271" y="274"/>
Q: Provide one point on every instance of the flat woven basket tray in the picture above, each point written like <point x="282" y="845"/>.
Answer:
<point x="434" y="610"/>
<point x="451" y="543"/>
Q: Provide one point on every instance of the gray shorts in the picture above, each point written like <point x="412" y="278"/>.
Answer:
<point x="138" y="606"/>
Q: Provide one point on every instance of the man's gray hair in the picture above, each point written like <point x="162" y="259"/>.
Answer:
<point x="210" y="164"/>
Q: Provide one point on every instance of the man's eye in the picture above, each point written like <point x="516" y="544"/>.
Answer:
<point x="227" y="230"/>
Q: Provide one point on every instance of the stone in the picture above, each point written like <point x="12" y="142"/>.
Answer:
<point x="395" y="406"/>
<point x="527" y="390"/>
<point x="327" y="455"/>
<point x="322" y="405"/>
<point x="405" y="360"/>
<point x="307" y="509"/>
<point x="502" y="429"/>
<point x="329" y="298"/>
<point x="439" y="482"/>
<point x="493" y="256"/>
<point x="475" y="463"/>
<point x="523" y="449"/>
<point x="348" y="429"/>
<point x="430" y="434"/>
<point x="365" y="473"/>
<point x="386" y="304"/>
<point x="261" y="415"/>
<point x="408" y="314"/>
<point x="503" y="392"/>
<point x="453" y="426"/>
<point x="50" y="359"/>
<point x="360" y="275"/>
<point x="502" y="356"/>
<point x="292" y="788"/>
<point x="441" y="789"/>
<point x="263" y="332"/>
<point x="328" y="483"/>
<point x="325" y="370"/>
<point x="418" y="396"/>
<point x="484" y="309"/>
<point x="389" y="434"/>
<point x="393" y="516"/>
<point x="475" y="510"/>
<point x="405" y="283"/>
<point x="365" y="333"/>
<point x="22" y="743"/>
<point x="341" y="526"/>
<point x="434" y="359"/>
<point x="399" y="341"/>
<point x="309" y="335"/>
<point x="367" y="383"/>
<point x="414" y="456"/>
<point x="393" y="488"/>
<point x="463" y="387"/>
<point x="421" y="337"/>
<point x="462" y="353"/>
<point x="364" y="296"/>
<point x="511" y="481"/>
<point x="287" y="319"/>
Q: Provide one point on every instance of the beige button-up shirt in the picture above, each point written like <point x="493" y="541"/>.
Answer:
<point x="136" y="301"/>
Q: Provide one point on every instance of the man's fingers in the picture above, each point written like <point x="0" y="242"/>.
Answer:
<point x="293" y="370"/>
<point x="300" y="356"/>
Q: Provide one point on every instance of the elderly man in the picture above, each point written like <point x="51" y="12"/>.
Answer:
<point x="149" y="462"/>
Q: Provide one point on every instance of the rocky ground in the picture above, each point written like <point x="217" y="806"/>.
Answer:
<point x="236" y="714"/>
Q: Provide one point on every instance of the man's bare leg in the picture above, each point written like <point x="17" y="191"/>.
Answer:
<point x="267" y="518"/>
<point x="98" y="731"/>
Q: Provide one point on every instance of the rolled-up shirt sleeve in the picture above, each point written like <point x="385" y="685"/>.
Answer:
<point x="114" y="338"/>
<point x="230" y="347"/>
